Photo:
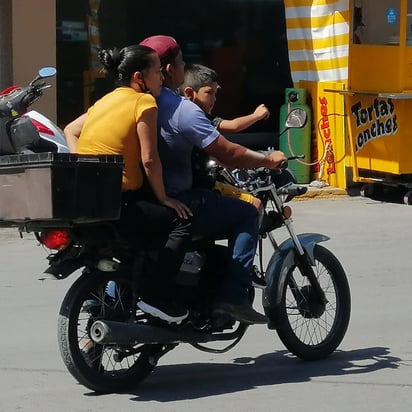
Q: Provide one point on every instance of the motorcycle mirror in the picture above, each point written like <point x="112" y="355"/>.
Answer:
<point x="296" y="118"/>
<point x="43" y="73"/>
<point x="47" y="72"/>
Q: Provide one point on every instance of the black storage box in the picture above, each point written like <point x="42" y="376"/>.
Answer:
<point x="59" y="188"/>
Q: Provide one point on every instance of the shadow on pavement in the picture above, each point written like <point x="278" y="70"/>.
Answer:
<point x="199" y="380"/>
<point x="381" y="193"/>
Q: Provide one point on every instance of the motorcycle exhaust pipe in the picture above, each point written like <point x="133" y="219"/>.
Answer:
<point x="124" y="333"/>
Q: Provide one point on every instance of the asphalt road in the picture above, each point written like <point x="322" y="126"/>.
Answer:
<point x="369" y="372"/>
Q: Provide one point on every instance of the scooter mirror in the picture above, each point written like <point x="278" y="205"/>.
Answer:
<point x="47" y="72"/>
<point x="296" y="119"/>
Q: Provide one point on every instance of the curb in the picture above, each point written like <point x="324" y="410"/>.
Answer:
<point x="324" y="192"/>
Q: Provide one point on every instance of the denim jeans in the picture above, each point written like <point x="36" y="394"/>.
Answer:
<point x="214" y="214"/>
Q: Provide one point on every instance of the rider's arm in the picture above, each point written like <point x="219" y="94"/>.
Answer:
<point x="234" y="155"/>
<point x="147" y="133"/>
<point x="241" y="123"/>
<point x="72" y="132"/>
<point x="195" y="126"/>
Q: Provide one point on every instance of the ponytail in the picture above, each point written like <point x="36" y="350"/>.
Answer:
<point x="121" y="64"/>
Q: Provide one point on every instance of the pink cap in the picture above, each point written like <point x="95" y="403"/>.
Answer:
<point x="165" y="46"/>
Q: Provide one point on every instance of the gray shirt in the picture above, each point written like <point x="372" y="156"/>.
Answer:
<point x="181" y="126"/>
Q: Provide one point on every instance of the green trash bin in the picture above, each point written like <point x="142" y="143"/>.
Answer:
<point x="296" y="141"/>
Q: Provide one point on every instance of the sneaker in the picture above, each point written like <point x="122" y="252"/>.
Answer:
<point x="166" y="311"/>
<point x="258" y="280"/>
<point x="242" y="313"/>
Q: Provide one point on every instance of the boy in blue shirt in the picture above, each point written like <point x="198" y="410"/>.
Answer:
<point x="201" y="87"/>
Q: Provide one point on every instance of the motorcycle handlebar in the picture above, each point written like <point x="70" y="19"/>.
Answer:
<point x="302" y="156"/>
<point x="283" y="165"/>
<point x="15" y="100"/>
<point x="292" y="190"/>
<point x="15" y="103"/>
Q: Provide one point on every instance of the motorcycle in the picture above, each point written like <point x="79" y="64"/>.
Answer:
<point x="109" y="345"/>
<point x="23" y="131"/>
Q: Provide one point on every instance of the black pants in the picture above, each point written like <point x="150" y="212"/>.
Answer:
<point x="163" y="239"/>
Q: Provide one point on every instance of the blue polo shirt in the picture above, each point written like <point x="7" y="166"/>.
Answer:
<point x="181" y="126"/>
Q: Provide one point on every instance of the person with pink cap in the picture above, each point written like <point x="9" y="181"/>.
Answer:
<point x="182" y="125"/>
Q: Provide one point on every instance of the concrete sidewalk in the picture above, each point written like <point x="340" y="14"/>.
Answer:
<point x="323" y="192"/>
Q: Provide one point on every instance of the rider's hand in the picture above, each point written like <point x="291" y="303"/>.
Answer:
<point x="262" y="112"/>
<point x="275" y="159"/>
<point x="181" y="209"/>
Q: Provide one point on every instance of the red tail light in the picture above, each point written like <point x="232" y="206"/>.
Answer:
<point x="55" y="239"/>
<point x="41" y="127"/>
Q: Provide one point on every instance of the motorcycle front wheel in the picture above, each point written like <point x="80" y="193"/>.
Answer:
<point x="308" y="328"/>
<point x="101" y="368"/>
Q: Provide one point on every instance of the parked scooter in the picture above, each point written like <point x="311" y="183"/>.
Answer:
<point x="108" y="344"/>
<point x="23" y="131"/>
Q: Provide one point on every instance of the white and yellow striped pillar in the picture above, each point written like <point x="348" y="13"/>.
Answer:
<point x="318" y="39"/>
<point x="318" y="43"/>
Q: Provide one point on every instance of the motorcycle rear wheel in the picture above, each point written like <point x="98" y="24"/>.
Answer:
<point x="101" y="368"/>
<point x="308" y="329"/>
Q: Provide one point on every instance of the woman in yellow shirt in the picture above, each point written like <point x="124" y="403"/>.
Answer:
<point x="124" y="122"/>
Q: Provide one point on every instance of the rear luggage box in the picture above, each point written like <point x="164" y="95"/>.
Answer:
<point x="59" y="189"/>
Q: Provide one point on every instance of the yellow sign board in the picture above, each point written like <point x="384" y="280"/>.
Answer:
<point x="380" y="130"/>
<point x="328" y="134"/>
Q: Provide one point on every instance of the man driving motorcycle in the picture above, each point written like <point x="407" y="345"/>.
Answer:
<point x="181" y="126"/>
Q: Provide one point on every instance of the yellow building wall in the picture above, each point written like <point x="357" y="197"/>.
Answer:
<point x="380" y="105"/>
<point x="318" y="42"/>
<point x="328" y="130"/>
<point x="380" y="130"/>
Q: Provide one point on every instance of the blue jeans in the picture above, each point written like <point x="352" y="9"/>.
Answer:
<point x="214" y="214"/>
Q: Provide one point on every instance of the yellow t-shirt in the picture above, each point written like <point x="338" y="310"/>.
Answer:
<point x="111" y="128"/>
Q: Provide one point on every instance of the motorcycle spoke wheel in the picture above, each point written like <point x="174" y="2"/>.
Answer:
<point x="309" y="329"/>
<point x="101" y="368"/>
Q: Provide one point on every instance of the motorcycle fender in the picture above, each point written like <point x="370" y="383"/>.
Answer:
<point x="277" y="270"/>
<point x="61" y="270"/>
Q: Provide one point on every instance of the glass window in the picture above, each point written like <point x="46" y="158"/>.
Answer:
<point x="243" y="40"/>
<point x="409" y="24"/>
<point x="376" y="22"/>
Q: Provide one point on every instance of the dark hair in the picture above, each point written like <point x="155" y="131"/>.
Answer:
<point x="121" y="64"/>
<point x="169" y="57"/>
<point x="197" y="76"/>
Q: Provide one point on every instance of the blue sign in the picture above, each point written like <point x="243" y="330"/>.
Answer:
<point x="391" y="15"/>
